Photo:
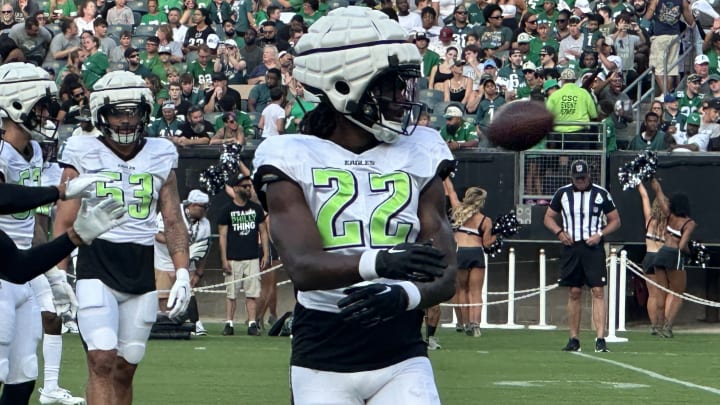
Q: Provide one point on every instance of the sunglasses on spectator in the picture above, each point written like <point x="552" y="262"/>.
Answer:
<point x="495" y="17"/>
<point x="561" y="21"/>
<point x="77" y="95"/>
<point x="532" y="21"/>
<point x="231" y="121"/>
<point x="133" y="56"/>
<point x="461" y="12"/>
<point x="7" y="12"/>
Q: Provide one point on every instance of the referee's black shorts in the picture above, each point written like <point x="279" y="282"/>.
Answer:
<point x="581" y="264"/>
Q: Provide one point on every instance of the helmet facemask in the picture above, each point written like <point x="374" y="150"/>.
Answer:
<point x="389" y="106"/>
<point x="40" y="121"/>
<point x="124" y="123"/>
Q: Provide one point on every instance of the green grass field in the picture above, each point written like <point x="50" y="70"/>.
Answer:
<point x="501" y="367"/>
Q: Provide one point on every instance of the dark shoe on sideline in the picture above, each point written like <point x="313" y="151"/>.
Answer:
<point x="573" y="345"/>
<point x="229" y="330"/>
<point x="253" y="329"/>
<point x="601" y="346"/>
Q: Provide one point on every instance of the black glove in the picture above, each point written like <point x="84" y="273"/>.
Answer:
<point x="374" y="303"/>
<point x="410" y="261"/>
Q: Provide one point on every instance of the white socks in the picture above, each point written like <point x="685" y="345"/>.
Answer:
<point x="52" y="353"/>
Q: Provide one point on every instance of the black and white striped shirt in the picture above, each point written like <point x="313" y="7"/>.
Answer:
<point x="582" y="211"/>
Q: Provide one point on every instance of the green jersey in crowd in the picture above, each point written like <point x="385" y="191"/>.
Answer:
<point x="465" y="133"/>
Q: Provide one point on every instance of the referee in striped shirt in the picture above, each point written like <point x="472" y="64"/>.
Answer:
<point x="582" y="206"/>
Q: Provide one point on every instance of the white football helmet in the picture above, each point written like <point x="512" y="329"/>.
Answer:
<point x="121" y="94"/>
<point x="361" y="62"/>
<point x="28" y="97"/>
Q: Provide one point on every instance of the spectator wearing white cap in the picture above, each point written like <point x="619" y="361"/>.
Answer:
<point x="702" y="71"/>
<point x="581" y="8"/>
<point x="458" y="133"/>
<point x="230" y="62"/>
<point x="194" y="209"/>
<point x="168" y="125"/>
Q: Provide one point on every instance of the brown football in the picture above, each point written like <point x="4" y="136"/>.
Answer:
<point x="520" y="125"/>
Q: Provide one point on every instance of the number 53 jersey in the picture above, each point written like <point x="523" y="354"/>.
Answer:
<point x="17" y="170"/>
<point x="359" y="201"/>
<point x="136" y="182"/>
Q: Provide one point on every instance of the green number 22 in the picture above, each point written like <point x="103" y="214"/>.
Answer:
<point x="144" y="193"/>
<point x="350" y="233"/>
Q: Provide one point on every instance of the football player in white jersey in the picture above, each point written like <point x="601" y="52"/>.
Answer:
<point x="116" y="285"/>
<point x="27" y="95"/>
<point x="358" y="216"/>
<point x="199" y="232"/>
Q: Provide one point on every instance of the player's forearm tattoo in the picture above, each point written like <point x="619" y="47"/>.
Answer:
<point x="176" y="237"/>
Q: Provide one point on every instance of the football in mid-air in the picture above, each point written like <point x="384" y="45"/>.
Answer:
<point x="520" y="125"/>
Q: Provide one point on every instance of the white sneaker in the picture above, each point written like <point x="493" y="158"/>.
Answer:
<point x="59" y="396"/>
<point x="200" y="329"/>
<point x="434" y="343"/>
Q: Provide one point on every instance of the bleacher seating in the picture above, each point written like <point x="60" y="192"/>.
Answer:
<point x="118" y="66"/>
<point x="137" y="16"/>
<point x="144" y="31"/>
<point x="55" y="28"/>
<point x="212" y="116"/>
<point x="431" y="97"/>
<point x="139" y="6"/>
<point x="56" y="65"/>
<point x="115" y="30"/>
<point x="138" y="43"/>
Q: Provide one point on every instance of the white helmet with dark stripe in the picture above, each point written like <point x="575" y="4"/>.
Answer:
<point x="28" y="97"/>
<point x="360" y="61"/>
<point x="121" y="94"/>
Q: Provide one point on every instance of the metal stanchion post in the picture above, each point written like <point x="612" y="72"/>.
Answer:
<point x="612" y="299"/>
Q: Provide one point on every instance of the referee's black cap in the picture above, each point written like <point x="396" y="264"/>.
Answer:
<point x="579" y="168"/>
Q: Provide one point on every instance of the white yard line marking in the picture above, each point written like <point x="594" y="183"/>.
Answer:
<point x="651" y="374"/>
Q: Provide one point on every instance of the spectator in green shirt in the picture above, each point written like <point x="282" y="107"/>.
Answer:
<point x="652" y="138"/>
<point x="154" y="16"/>
<point x="458" y="133"/>
<point x="429" y="58"/>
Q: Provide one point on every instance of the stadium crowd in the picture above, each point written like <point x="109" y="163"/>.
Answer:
<point x="233" y="61"/>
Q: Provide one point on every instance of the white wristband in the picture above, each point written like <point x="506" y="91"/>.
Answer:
<point x="412" y="292"/>
<point x="182" y="274"/>
<point x="366" y="267"/>
<point x="600" y="233"/>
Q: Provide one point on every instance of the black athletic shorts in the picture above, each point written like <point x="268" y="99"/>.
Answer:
<point x="469" y="257"/>
<point x="648" y="263"/>
<point x="668" y="259"/>
<point x="581" y="264"/>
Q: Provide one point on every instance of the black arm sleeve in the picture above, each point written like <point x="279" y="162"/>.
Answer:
<point x="20" y="266"/>
<point x="15" y="198"/>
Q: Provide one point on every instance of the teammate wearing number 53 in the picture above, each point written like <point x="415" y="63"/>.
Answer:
<point x="358" y="216"/>
<point x="116" y="285"/>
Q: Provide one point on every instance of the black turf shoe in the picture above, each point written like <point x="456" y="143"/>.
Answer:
<point x="573" y="345"/>
<point x="601" y="346"/>
<point x="229" y="330"/>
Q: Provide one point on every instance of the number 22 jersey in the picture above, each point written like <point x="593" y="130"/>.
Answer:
<point x="359" y="201"/>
